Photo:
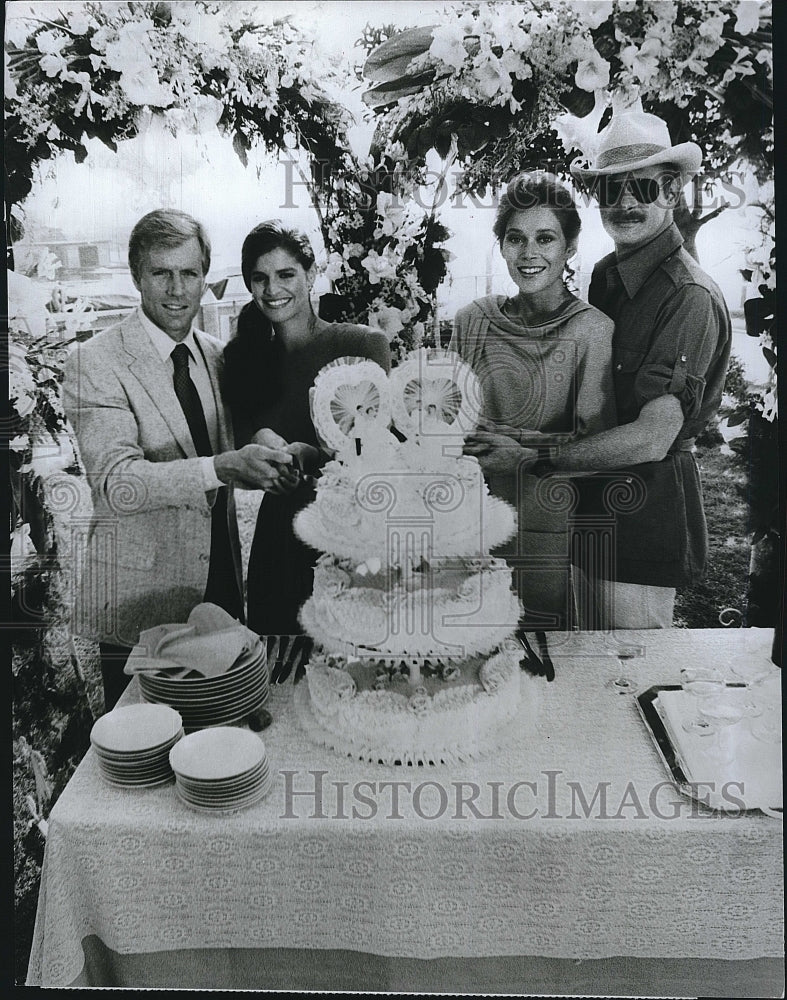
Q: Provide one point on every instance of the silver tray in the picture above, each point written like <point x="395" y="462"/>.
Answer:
<point x="666" y="750"/>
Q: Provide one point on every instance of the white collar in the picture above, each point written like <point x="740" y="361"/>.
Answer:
<point x="162" y="341"/>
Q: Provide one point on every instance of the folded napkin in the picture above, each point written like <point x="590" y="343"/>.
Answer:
<point x="208" y="644"/>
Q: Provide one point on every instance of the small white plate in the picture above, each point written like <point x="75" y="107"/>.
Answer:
<point x="220" y="752"/>
<point x="136" y="728"/>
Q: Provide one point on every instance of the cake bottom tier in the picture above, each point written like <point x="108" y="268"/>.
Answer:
<point x="441" y="722"/>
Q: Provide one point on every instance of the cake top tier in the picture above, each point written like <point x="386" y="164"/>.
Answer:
<point x="401" y="501"/>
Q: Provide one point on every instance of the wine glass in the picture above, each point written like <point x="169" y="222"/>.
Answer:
<point x="721" y="715"/>
<point x="706" y="684"/>
<point x="623" y="683"/>
<point x="767" y="726"/>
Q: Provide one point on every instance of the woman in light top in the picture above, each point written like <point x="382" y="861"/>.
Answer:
<point x="544" y="360"/>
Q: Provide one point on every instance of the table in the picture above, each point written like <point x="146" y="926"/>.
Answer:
<point x="595" y="876"/>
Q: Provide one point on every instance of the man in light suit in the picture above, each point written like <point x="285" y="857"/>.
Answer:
<point x="155" y="439"/>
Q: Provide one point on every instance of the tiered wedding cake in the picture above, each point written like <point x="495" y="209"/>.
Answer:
<point x="409" y="610"/>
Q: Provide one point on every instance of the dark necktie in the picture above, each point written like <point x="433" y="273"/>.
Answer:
<point x="222" y="584"/>
<point x="189" y="400"/>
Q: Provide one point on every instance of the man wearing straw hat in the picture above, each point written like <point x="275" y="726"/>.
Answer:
<point x="670" y="353"/>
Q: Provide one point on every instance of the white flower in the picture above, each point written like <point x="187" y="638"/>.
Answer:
<point x="335" y="267"/>
<point x="130" y="49"/>
<point x="747" y="16"/>
<point x="141" y="85"/>
<point x="19" y="443"/>
<point x="492" y="79"/>
<point x="389" y="319"/>
<point x="353" y="250"/>
<point x="593" y="13"/>
<point x="79" y="22"/>
<point x="250" y="42"/>
<point x="53" y="64"/>
<point x="448" y="45"/>
<point x="711" y="28"/>
<point x="379" y="267"/>
<point x="592" y="73"/>
<point x="765" y="56"/>
<point x="769" y="404"/>
<point x="581" y="133"/>
<point x="643" y="62"/>
<point x="391" y="211"/>
<point x="514" y="62"/>
<point x="51" y="42"/>
<point x="100" y="38"/>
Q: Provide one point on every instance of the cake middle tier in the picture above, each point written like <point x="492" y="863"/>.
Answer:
<point x="449" y="609"/>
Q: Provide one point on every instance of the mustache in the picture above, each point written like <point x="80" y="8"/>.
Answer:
<point x="633" y="216"/>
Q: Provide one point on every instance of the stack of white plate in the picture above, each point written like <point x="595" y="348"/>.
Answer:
<point x="133" y="744"/>
<point x="213" y="701"/>
<point x="221" y="769"/>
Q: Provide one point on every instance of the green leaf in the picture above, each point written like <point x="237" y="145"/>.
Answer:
<point x="390" y="61"/>
<point x="240" y="145"/>
<point x="737" y="417"/>
<point x="770" y="356"/>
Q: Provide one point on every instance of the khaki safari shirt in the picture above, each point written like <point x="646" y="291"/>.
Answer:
<point x="672" y="336"/>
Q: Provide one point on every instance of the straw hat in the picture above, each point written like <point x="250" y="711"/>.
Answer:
<point x="633" y="140"/>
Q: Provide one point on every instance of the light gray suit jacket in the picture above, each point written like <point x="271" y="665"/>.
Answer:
<point x="145" y="559"/>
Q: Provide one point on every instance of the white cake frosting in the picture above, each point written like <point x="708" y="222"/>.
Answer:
<point x="453" y="609"/>
<point x="409" y="609"/>
<point x="435" y="723"/>
<point x="404" y="494"/>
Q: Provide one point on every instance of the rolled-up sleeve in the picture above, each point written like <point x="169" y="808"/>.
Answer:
<point x="689" y="325"/>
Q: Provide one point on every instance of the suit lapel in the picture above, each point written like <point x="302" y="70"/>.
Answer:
<point x="213" y="359"/>
<point x="154" y="378"/>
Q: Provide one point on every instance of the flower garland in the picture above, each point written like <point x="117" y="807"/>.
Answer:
<point x="383" y="250"/>
<point x="512" y="80"/>
<point x="97" y="71"/>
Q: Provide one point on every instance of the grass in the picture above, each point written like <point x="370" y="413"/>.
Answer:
<point x="52" y="708"/>
<point x="724" y="584"/>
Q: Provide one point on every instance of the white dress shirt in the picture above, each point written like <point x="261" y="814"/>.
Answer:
<point x="198" y="371"/>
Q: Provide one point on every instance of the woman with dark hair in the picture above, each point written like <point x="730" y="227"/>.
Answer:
<point x="269" y="366"/>
<point x="544" y="360"/>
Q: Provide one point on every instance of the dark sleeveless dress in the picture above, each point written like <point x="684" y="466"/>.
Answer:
<point x="268" y="385"/>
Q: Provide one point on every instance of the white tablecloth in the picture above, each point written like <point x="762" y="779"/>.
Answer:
<point x="647" y="874"/>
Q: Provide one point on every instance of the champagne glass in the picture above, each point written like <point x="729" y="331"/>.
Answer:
<point x="752" y="667"/>
<point x="721" y="715"/>
<point x="706" y="684"/>
<point x="767" y="727"/>
<point x="622" y="683"/>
